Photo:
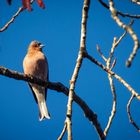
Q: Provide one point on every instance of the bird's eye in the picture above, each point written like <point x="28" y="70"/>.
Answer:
<point x="39" y="43"/>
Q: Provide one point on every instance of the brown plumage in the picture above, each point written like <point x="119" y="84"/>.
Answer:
<point x="35" y="64"/>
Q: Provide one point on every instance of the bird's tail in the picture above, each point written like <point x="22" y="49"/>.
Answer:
<point x="43" y="111"/>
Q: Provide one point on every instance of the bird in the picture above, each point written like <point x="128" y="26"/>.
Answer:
<point x="35" y="64"/>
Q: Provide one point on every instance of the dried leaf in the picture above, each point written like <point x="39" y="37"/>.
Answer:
<point x="41" y="4"/>
<point x="26" y="4"/>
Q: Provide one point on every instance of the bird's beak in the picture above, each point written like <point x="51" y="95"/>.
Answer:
<point x="41" y="46"/>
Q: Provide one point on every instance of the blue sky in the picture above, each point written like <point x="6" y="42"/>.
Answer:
<point x="58" y="27"/>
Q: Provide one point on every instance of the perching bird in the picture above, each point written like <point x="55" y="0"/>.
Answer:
<point x="35" y="64"/>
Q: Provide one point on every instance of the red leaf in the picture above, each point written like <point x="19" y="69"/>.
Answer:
<point x="41" y="4"/>
<point x="26" y="4"/>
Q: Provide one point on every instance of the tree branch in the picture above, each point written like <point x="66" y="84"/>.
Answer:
<point x="112" y="86"/>
<point x="128" y="29"/>
<point x="59" y="87"/>
<point x="129" y="114"/>
<point x="63" y="132"/>
<point x="21" y="9"/>
<point x="136" y="2"/>
<point x="12" y="19"/>
<point x="77" y="67"/>
<point x="119" y="12"/>
<point x="120" y="79"/>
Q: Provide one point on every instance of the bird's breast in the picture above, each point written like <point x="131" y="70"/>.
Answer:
<point x="36" y="66"/>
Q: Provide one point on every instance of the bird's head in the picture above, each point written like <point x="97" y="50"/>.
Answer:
<point x="35" y="46"/>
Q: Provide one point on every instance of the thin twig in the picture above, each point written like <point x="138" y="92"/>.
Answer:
<point x="63" y="132"/>
<point x="114" y="102"/>
<point x="21" y="9"/>
<point x="112" y="86"/>
<point x="59" y="87"/>
<point x="119" y="40"/>
<point x="119" y="12"/>
<point x="129" y="114"/>
<point x="77" y="67"/>
<point x="115" y="44"/>
<point x="109" y="66"/>
<point x="128" y="29"/>
<point x="100" y="52"/>
<point x="12" y="19"/>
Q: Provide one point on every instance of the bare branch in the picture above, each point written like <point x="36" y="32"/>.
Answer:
<point x="132" y="91"/>
<point x="128" y="29"/>
<point x="119" y="12"/>
<point x="112" y="86"/>
<point x="113" y="64"/>
<point x="13" y="18"/>
<point x="110" y="67"/>
<point x="120" y="79"/>
<point x="63" y="132"/>
<point x="114" y="102"/>
<point x="114" y="45"/>
<point x="77" y="67"/>
<point x="59" y="87"/>
<point x="129" y="114"/>
<point x="136" y="2"/>
<point x="119" y="40"/>
<point x="100" y="52"/>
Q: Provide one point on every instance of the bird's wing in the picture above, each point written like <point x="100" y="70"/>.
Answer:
<point x="46" y="89"/>
<point x="46" y="93"/>
<point x="33" y="92"/>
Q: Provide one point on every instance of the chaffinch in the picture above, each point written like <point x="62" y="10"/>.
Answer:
<point x="35" y="63"/>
